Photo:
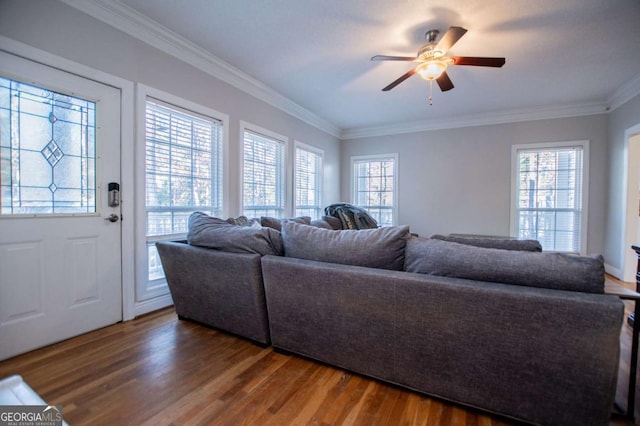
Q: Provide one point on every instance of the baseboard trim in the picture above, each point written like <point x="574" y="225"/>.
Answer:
<point x="616" y="272"/>
<point x="146" y="306"/>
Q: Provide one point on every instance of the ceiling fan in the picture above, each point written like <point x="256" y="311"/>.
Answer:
<point x="433" y="62"/>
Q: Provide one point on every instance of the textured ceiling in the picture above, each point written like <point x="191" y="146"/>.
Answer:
<point x="559" y="54"/>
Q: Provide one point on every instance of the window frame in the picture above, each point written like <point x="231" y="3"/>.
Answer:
<point x="370" y="158"/>
<point x="284" y="174"/>
<point x="319" y="173"/>
<point x="147" y="289"/>
<point x="584" y="207"/>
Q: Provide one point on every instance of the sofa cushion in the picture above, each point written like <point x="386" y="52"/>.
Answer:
<point x="211" y="232"/>
<point x="504" y="243"/>
<point x="377" y="248"/>
<point x="275" y="223"/>
<point x="549" y="270"/>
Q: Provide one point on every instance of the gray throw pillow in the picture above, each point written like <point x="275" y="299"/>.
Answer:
<point x="548" y="270"/>
<point x="211" y="232"/>
<point x="376" y="248"/>
<point x="504" y="243"/>
<point x="319" y="223"/>
<point x="334" y="222"/>
<point x="275" y="223"/>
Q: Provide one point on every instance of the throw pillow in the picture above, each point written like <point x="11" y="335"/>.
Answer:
<point x="275" y="223"/>
<point x="548" y="270"/>
<point x="376" y="248"/>
<point x="504" y="243"/>
<point x="211" y="232"/>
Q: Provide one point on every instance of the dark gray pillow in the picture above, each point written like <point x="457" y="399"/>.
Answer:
<point x="376" y="248"/>
<point x="211" y="232"/>
<point x="548" y="270"/>
<point x="504" y="243"/>
<point x="333" y="221"/>
<point x="320" y="223"/>
<point x="275" y="223"/>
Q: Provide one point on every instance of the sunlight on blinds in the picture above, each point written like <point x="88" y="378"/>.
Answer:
<point x="183" y="168"/>
<point x="374" y="183"/>
<point x="263" y="181"/>
<point x="308" y="182"/>
<point x="549" y="205"/>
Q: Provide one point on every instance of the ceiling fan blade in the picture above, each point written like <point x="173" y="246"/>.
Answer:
<point x="478" y="62"/>
<point x="444" y="82"/>
<point x="450" y="38"/>
<point x="393" y="58"/>
<point x="400" y="80"/>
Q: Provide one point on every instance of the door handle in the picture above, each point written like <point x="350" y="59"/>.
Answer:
<point x="112" y="217"/>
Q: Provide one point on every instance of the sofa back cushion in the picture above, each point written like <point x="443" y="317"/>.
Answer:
<point x="211" y="232"/>
<point x="549" y="270"/>
<point x="376" y="248"/>
<point x="504" y="243"/>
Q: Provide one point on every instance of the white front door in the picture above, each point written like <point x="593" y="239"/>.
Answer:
<point x="60" y="258"/>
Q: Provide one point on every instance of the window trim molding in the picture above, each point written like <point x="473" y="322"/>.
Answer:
<point x="303" y="146"/>
<point x="146" y="291"/>
<point x="286" y="172"/>
<point x="513" y="226"/>
<point x="394" y="156"/>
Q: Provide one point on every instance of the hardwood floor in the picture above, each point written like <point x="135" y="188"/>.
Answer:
<point x="157" y="370"/>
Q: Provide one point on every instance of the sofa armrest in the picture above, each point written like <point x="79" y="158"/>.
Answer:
<point x="219" y="289"/>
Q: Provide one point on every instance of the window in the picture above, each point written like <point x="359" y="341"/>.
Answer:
<point x="263" y="185"/>
<point x="549" y="193"/>
<point x="374" y="186"/>
<point x="183" y="172"/>
<point x="308" y="181"/>
<point x="47" y="151"/>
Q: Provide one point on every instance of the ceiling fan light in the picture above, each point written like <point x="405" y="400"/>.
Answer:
<point x="431" y="70"/>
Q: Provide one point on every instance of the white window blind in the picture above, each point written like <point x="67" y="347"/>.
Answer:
<point x="263" y="176"/>
<point x="308" y="183"/>
<point x="374" y="187"/>
<point x="184" y="172"/>
<point x="549" y="199"/>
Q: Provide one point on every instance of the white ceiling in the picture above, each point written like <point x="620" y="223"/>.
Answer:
<point x="562" y="56"/>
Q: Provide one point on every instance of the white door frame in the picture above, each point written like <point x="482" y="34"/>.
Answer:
<point x="630" y="219"/>
<point x="127" y="192"/>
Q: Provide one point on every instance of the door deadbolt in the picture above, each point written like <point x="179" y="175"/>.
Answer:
<point x="112" y="217"/>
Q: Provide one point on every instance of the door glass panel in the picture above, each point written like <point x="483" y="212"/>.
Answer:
<point x="47" y="151"/>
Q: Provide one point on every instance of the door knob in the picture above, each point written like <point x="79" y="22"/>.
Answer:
<point x="112" y="217"/>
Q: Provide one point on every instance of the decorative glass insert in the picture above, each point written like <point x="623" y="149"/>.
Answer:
<point x="47" y="151"/>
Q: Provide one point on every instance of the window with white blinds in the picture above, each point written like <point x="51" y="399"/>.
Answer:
<point x="549" y="195"/>
<point x="184" y="172"/>
<point x="263" y="179"/>
<point x="374" y="186"/>
<point x="308" y="181"/>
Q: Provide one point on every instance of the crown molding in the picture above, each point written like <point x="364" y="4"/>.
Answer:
<point x="625" y="93"/>
<point x="496" y="117"/>
<point x="135" y="24"/>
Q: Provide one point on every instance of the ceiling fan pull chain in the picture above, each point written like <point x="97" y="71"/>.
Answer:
<point x="430" y="92"/>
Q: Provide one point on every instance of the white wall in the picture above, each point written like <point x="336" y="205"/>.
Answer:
<point x="458" y="180"/>
<point x="623" y="118"/>
<point x="64" y="31"/>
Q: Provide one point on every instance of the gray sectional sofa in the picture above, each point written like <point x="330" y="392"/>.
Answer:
<point x="513" y="331"/>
